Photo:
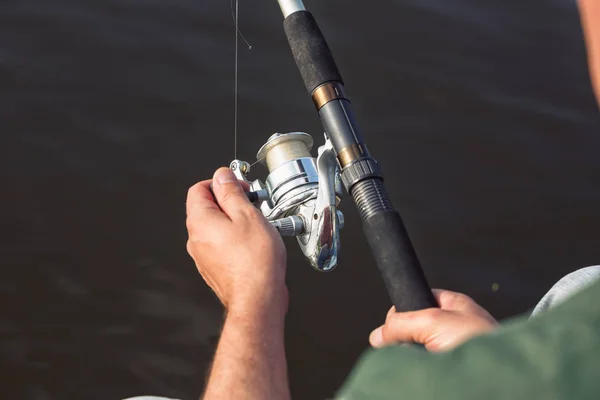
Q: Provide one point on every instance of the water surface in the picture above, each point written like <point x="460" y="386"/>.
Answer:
<point x="480" y="112"/>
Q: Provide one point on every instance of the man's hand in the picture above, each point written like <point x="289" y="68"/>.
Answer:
<point x="242" y="258"/>
<point x="237" y="252"/>
<point x="458" y="319"/>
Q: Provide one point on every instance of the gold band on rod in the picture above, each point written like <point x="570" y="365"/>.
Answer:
<point x="352" y="153"/>
<point x="327" y="92"/>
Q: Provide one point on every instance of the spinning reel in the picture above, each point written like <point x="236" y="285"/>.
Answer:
<point x="300" y="195"/>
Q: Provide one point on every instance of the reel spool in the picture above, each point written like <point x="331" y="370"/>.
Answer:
<point x="300" y="195"/>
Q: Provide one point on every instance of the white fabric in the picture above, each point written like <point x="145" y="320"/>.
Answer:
<point x="566" y="287"/>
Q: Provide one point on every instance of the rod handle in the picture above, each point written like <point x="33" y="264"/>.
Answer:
<point x="397" y="262"/>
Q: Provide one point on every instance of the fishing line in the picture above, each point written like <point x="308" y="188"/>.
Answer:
<point x="235" y="79"/>
<point x="257" y="161"/>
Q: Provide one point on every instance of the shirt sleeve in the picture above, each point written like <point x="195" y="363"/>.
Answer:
<point x="554" y="356"/>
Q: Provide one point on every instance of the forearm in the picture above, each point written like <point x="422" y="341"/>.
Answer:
<point x="590" y="19"/>
<point x="250" y="358"/>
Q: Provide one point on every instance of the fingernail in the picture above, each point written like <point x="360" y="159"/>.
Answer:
<point x="224" y="175"/>
<point x="376" y="338"/>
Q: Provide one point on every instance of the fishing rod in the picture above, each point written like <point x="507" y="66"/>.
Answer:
<point x="301" y="193"/>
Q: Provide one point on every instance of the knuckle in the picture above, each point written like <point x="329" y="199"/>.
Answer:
<point x="193" y="226"/>
<point x="455" y="299"/>
<point x="189" y="224"/>
<point x="190" y="248"/>
<point x="387" y="332"/>
<point x="461" y="297"/>
<point x="392" y="321"/>
<point x="198" y="232"/>
<point x="253" y="215"/>
<point x="397" y="321"/>
<point x="190" y="227"/>
<point x="390" y="313"/>
<point x="193" y="190"/>
<point x="431" y="316"/>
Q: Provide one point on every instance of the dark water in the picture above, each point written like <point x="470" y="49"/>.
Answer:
<point x="480" y="112"/>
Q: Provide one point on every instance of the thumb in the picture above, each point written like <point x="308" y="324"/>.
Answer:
<point x="411" y="327"/>
<point x="229" y="193"/>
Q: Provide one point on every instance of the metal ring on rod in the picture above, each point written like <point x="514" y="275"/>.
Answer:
<point x="291" y="6"/>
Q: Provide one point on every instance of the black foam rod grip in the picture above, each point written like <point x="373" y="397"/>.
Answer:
<point x="397" y="262"/>
<point x="310" y="50"/>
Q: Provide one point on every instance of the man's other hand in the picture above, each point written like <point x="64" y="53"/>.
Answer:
<point x="458" y="319"/>
<point x="237" y="252"/>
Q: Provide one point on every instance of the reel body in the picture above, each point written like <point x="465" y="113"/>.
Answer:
<point x="300" y="195"/>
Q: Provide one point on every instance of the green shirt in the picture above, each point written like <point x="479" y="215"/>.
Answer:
<point x="553" y="356"/>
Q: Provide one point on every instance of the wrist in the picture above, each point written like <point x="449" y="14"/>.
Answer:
<point x="270" y="303"/>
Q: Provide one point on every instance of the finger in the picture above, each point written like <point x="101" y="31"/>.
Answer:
<point x="390" y="312"/>
<point x="201" y="207"/>
<point x="453" y="301"/>
<point x="229" y="193"/>
<point x="245" y="187"/>
<point x="200" y="197"/>
<point x="413" y="326"/>
<point x="376" y="338"/>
